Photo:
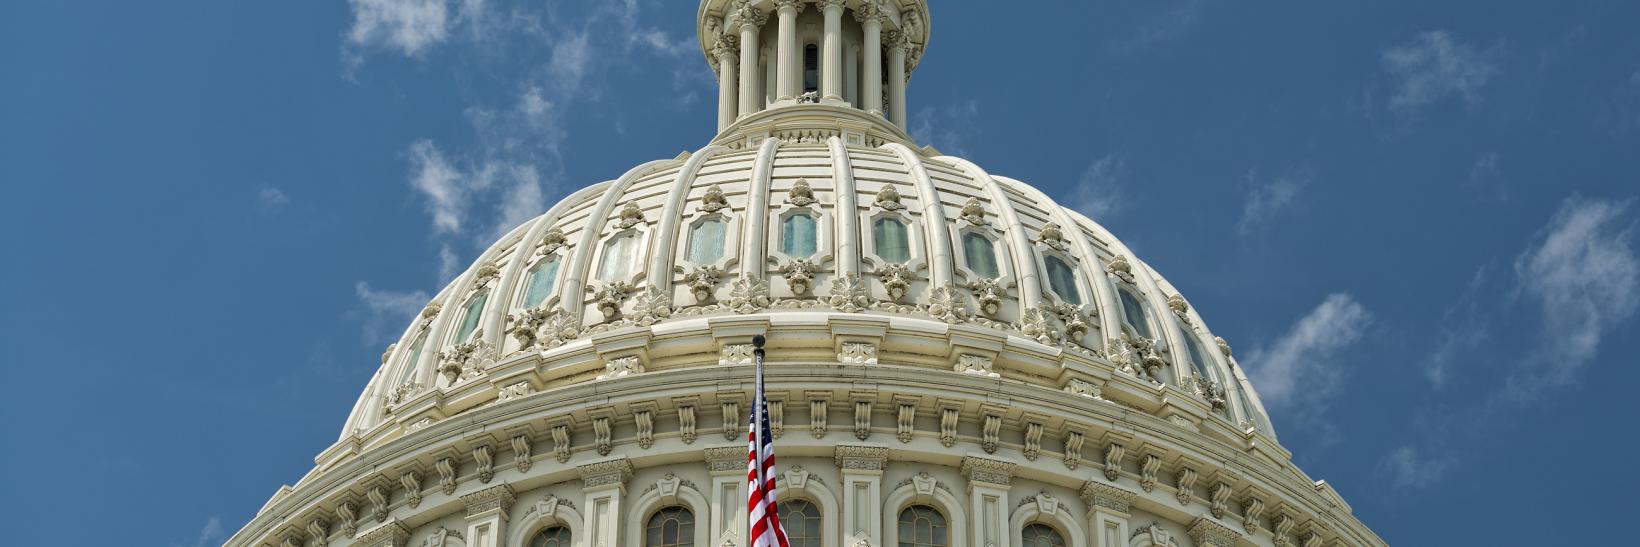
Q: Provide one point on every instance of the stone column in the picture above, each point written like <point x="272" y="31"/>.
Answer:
<point x="786" y="53"/>
<point x="897" y="44"/>
<point x="871" y="20"/>
<point x="727" y="50"/>
<point x="831" y="55"/>
<point x="605" y="486"/>
<point x="1107" y="513"/>
<point x="727" y="464"/>
<point x="851" y="75"/>
<point x="751" y="19"/>
<point x="987" y="499"/>
<point x="862" y="492"/>
<point x="487" y="515"/>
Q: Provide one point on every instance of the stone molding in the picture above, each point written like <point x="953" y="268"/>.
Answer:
<point x="986" y="470"/>
<point x="605" y="473"/>
<point x="861" y="458"/>
<point x="1099" y="494"/>
<point x="495" y="498"/>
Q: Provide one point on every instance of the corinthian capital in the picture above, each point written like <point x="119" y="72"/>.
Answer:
<point x="749" y="15"/>
<point x="827" y="5"/>
<point x="795" y="5"/>
<point x="869" y="10"/>
<point x="726" y="46"/>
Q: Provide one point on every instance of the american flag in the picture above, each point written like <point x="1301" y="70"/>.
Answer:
<point x="761" y="508"/>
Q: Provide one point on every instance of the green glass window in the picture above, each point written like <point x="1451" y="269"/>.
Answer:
<point x="706" y="241"/>
<point x="923" y="526"/>
<point x="1062" y="279"/>
<point x="415" y="356"/>
<point x="620" y="254"/>
<point x="801" y="520"/>
<point x="797" y="236"/>
<point x="556" y="536"/>
<point x="539" y="285"/>
<point x="1041" y="535"/>
<point x="1197" y="361"/>
<point x="980" y="255"/>
<point x="670" y="527"/>
<point x="469" y="319"/>
<point x="891" y="240"/>
<point x="1134" y="315"/>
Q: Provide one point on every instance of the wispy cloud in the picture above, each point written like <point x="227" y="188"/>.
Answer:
<point x="211" y="531"/>
<point x="1435" y="66"/>
<point x="1486" y="177"/>
<point x="1267" y="197"/>
<point x="951" y="127"/>
<point x="382" y="311"/>
<point x="1099" y="193"/>
<point x="1302" y="366"/>
<point x="1410" y="467"/>
<point x="271" y="200"/>
<point x="1464" y="327"/>
<point x="409" y="27"/>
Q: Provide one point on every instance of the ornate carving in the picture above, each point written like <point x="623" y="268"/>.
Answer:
<point x="863" y="458"/>
<point x="869" y="11"/>
<point x="630" y="216"/>
<point x="622" y="366"/>
<point x="976" y="364"/>
<point x="1034" y="325"/>
<point x="486" y="463"/>
<point x="848" y="294"/>
<point x="1149" y="465"/>
<point x="749" y="15"/>
<point x="896" y="279"/>
<point x="801" y="194"/>
<point x="947" y="304"/>
<point x="411" y="481"/>
<point x="731" y="419"/>
<point x="392" y="534"/>
<point x="1137" y="356"/>
<point x="440" y="537"/>
<point x="467" y="360"/>
<point x="990" y="432"/>
<point x="551" y="241"/>
<point x="987" y="470"/>
<point x="1207" y="533"/>
<point x="748" y="294"/>
<point x="1075" y="326"/>
<point x="686" y="423"/>
<point x="974" y="212"/>
<point x="1033" y="440"/>
<point x="1220" y="499"/>
<point x="888" y="198"/>
<point x="905" y="422"/>
<point x="1120" y="268"/>
<point x="602" y="439"/>
<point x="1179" y="307"/>
<point x="1311" y="538"/>
<point x="319" y="530"/>
<point x="818" y="418"/>
<point x="1184" y="489"/>
<point x="713" y="201"/>
<point x="402" y="393"/>
<point x="446" y="475"/>
<point x="1078" y="386"/>
<point x="799" y="275"/>
<point x="495" y="498"/>
<point x="703" y="282"/>
<point x="548" y="328"/>
<point x="1113" y="461"/>
<point x="777" y="418"/>
<point x="514" y="391"/>
<point x="645" y="421"/>
<point x="1224" y="347"/>
<point x="989" y="293"/>
<point x="1282" y="524"/>
<point x="858" y="353"/>
<point x="862" y="420"/>
<point x="1073" y="449"/>
<point x="948" y="425"/>
<point x="1251" y="510"/>
<point x="378" y="502"/>
<point x="348" y="514"/>
<point x="605" y="473"/>
<point x="485" y="273"/>
<point x="610" y="296"/>
<point x="560" y="442"/>
<point x="652" y="306"/>
<point x="1099" y="494"/>
<point x="1052" y="236"/>
<point x="429" y="312"/>
<point x="1208" y="389"/>
<point x="521" y="453"/>
<point x="725" y="458"/>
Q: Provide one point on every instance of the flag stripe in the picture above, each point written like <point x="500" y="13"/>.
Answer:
<point x="762" y="487"/>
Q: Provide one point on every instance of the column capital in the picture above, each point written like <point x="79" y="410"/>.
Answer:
<point x="986" y="470"/>
<point x="493" y="499"/>
<point x="792" y="7"/>
<point x="726" y="47"/>
<point x="896" y="39"/>
<point x="750" y="15"/>
<point x="605" y="473"/>
<point x="1099" y="494"/>
<point x="391" y="534"/>
<point x="720" y="459"/>
<point x="861" y="458"/>
<point x="1206" y="532"/>
<point x="830" y="5"/>
<point x="869" y="11"/>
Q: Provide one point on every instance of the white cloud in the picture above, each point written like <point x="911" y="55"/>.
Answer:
<point x="212" y="530"/>
<point x="408" y="26"/>
<point x="1302" y="366"/>
<point x="381" y="311"/>
<point x="1411" y="467"/>
<point x="1099" y="193"/>
<point x="1585" y="279"/>
<point x="443" y="186"/>
<point x="1436" y="66"/>
<point x="950" y="127"/>
<point x="271" y="200"/>
<point x="1265" y="199"/>
<point x="1464" y="327"/>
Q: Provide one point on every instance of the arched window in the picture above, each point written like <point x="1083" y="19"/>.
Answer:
<point x="1062" y="279"/>
<point x="891" y="240"/>
<point x="1134" y="315"/>
<point x="1197" y="361"/>
<point x="539" y="285"/>
<point x="470" y="317"/>
<point x="410" y="365"/>
<point x="1041" y="535"/>
<point x="706" y="241"/>
<point x="923" y="526"/>
<point x="797" y="236"/>
<point x="670" y="527"/>
<point x="556" y="536"/>
<point x="811" y="68"/>
<point x="801" y="520"/>
<point x="620" y="254"/>
<point x="980" y="255"/>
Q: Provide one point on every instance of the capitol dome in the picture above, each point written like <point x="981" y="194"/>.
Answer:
<point x="953" y="358"/>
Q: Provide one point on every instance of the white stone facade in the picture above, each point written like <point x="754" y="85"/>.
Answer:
<point x="997" y="358"/>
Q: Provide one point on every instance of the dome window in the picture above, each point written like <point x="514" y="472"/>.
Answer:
<point x="410" y="364"/>
<point x="670" y="527"/>
<point x="1041" y="535"/>
<point x="801" y="520"/>
<point x="891" y="240"/>
<point x="1062" y="279"/>
<point x="811" y="68"/>
<point x="980" y="255"/>
<point x="923" y="526"/>
<point x="539" y="285"/>
<point x="1134" y="314"/>
<point x="469" y="318"/>
<point x="556" y="536"/>
<point x="797" y="236"/>
<point x="620" y="254"/>
<point x="706" y="241"/>
<point x="1196" y="360"/>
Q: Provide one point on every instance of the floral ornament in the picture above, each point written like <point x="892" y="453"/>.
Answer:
<point x="990" y="293"/>
<point x="848" y="294"/>
<point x="1224" y="347"/>
<point x="1179" y="307"/>
<point x="713" y="201"/>
<point x="748" y="294"/>
<point x="974" y="212"/>
<point x="703" y="282"/>
<point x="1052" y="236"/>
<point x="631" y="216"/>
<point x="1075" y="326"/>
<point x="888" y="198"/>
<point x="947" y="304"/>
<point x="552" y="241"/>
<point x="467" y="360"/>
<point x="801" y="194"/>
<point x="896" y="279"/>
<point x="1034" y="325"/>
<point x="1208" y="389"/>
<point x="799" y="275"/>
<point x="610" y="297"/>
<point x="652" y="306"/>
<point x="1120" y="268"/>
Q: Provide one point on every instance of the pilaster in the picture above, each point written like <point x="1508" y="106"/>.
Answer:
<point x="1108" y="515"/>
<point x="605" y="486"/>
<point x="988" y="506"/>
<point x="487" y="515"/>
<point x="862" y="491"/>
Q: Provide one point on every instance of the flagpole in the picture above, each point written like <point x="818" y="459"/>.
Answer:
<point x="757" y="409"/>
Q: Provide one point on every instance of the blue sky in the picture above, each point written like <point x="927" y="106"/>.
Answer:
<point x="1415" y="221"/>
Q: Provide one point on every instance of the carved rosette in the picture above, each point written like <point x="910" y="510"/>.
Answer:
<point x="703" y="282"/>
<point x="973" y="212"/>
<point x="947" y="304"/>
<point x="888" y="198"/>
<point x="989" y="293"/>
<point x="748" y="295"/>
<point x="799" y="275"/>
<point x="714" y="201"/>
<point x="896" y="279"/>
<point x="848" y="294"/>
<point x="630" y="216"/>
<point x="801" y="194"/>
<point x="651" y="306"/>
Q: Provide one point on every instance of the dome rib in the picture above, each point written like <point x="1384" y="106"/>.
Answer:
<point x="594" y="228"/>
<point x="752" y="250"/>
<point x="662" y="252"/>
<point x="848" y="201"/>
<point x="1019" y="247"/>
